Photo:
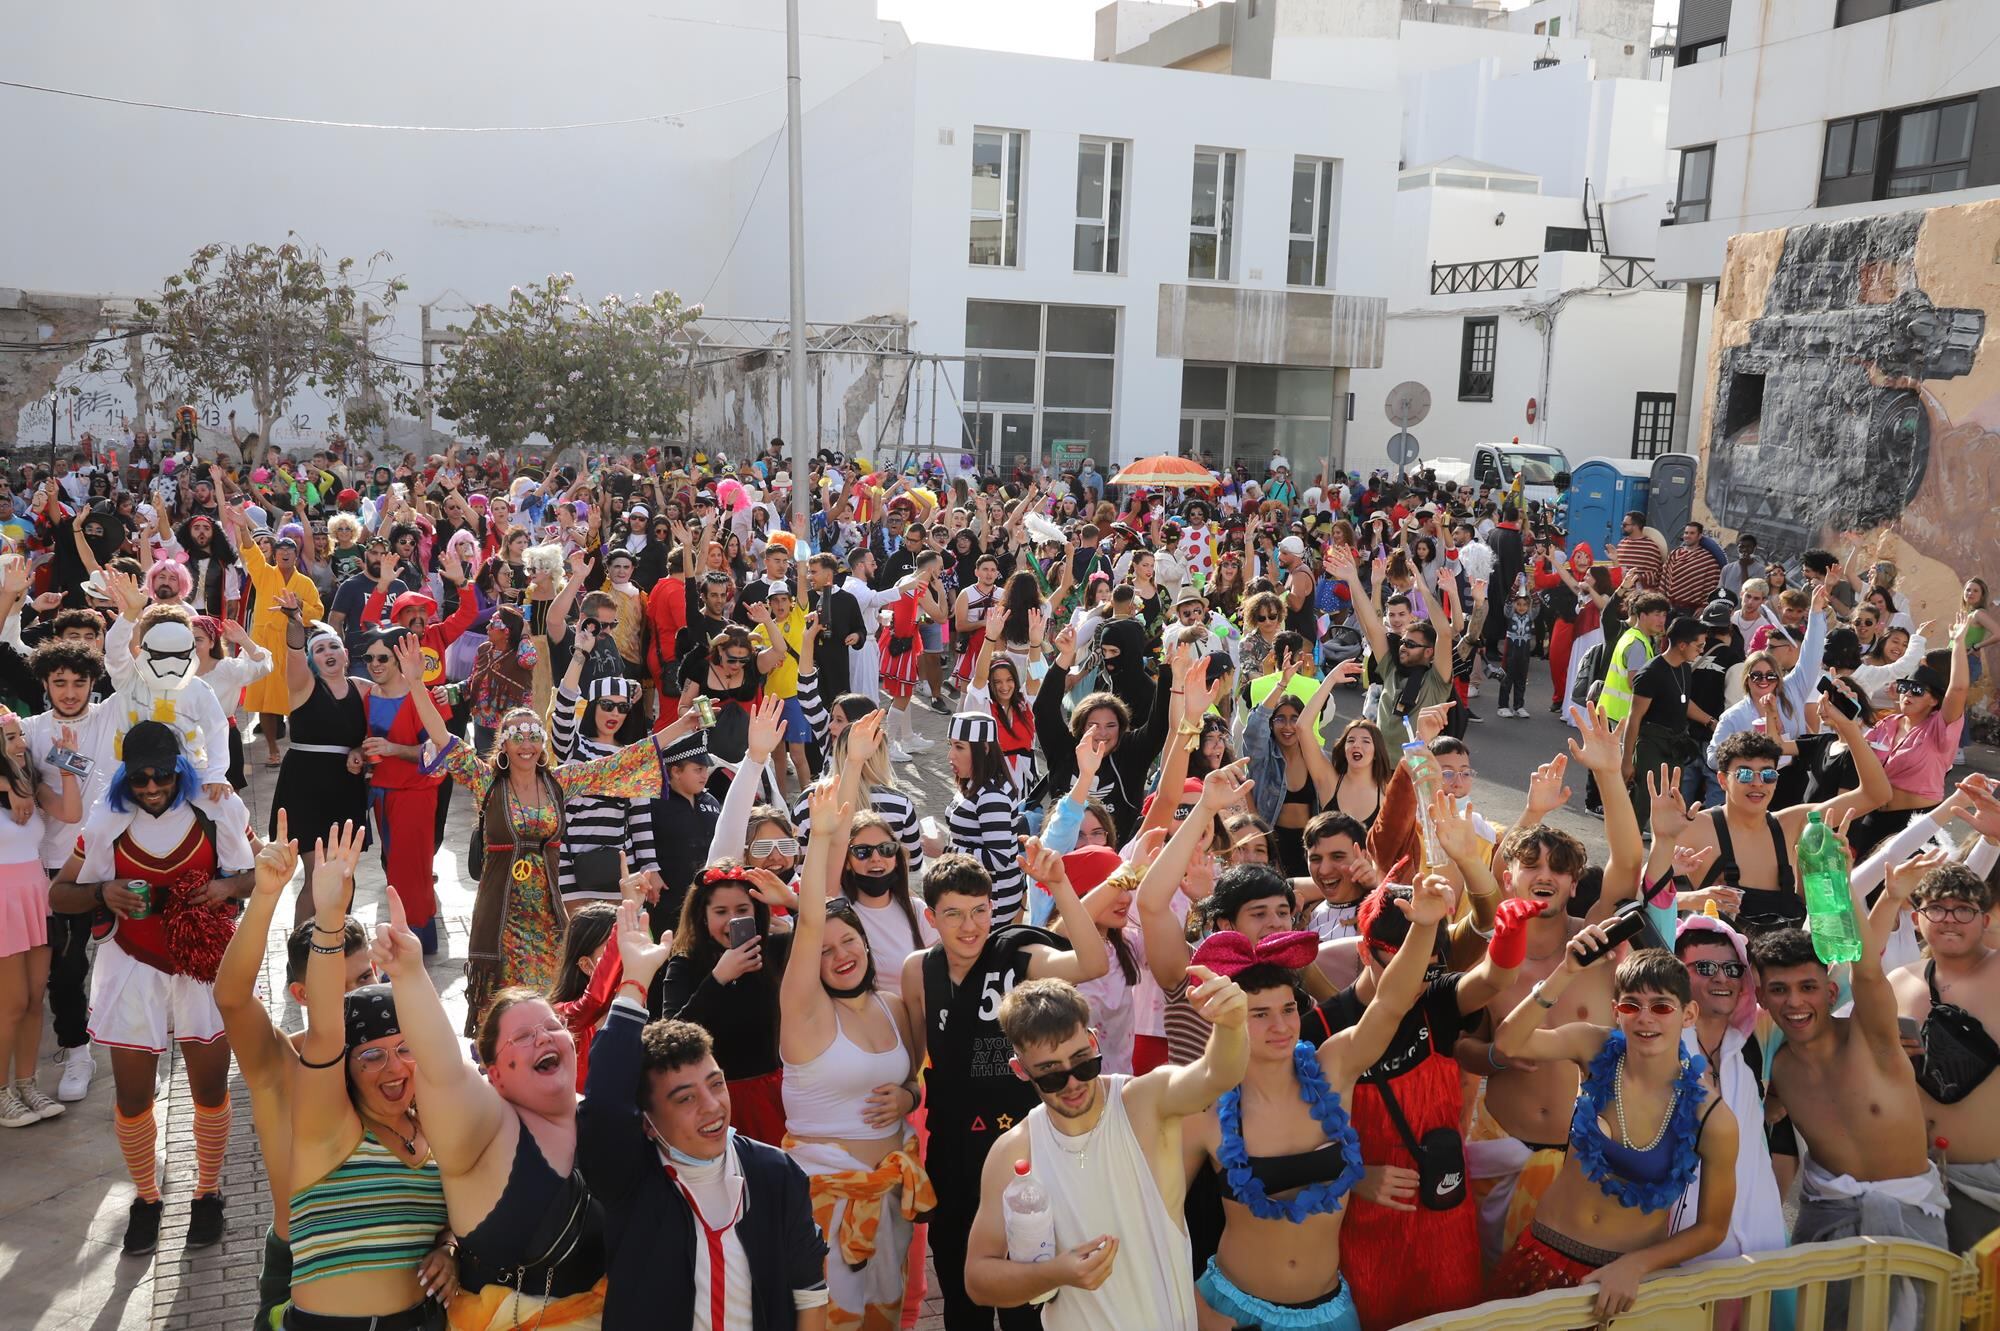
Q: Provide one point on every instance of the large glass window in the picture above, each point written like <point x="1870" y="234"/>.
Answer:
<point x="1697" y="169"/>
<point x="1036" y="377"/>
<point x="1100" y="204"/>
<point x="1895" y="154"/>
<point x="1212" y="215"/>
<point x="996" y="197"/>
<point x="1245" y="413"/>
<point x="1312" y="222"/>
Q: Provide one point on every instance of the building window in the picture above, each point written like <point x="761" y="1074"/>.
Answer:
<point x="1100" y="204"/>
<point x="1653" y="425"/>
<point x="996" y="197"/>
<point x="1860" y="11"/>
<point x="1476" y="349"/>
<point x="1312" y="222"/>
<point x="1700" y="53"/>
<point x="1541" y="29"/>
<point x="1212" y="216"/>
<point x="1038" y="382"/>
<point x="1894" y="154"/>
<point x="1555" y="27"/>
<point x="1697" y="179"/>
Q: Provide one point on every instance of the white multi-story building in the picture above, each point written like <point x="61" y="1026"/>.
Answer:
<point x="1788" y="114"/>
<point x="1208" y="239"/>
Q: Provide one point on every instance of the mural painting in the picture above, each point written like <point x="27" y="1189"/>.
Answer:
<point x="1854" y="396"/>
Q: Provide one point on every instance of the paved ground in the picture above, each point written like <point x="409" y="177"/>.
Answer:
<point x="63" y="1206"/>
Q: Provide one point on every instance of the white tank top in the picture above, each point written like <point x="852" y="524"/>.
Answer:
<point x="824" y="1096"/>
<point x="1110" y="1189"/>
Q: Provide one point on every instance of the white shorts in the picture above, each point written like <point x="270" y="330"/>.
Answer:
<point x="134" y="1006"/>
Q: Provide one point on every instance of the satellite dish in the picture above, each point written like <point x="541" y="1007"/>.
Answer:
<point x="1403" y="448"/>
<point x="1409" y="402"/>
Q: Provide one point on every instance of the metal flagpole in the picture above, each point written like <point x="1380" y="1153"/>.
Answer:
<point x="795" y="170"/>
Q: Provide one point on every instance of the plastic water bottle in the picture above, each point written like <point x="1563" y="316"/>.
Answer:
<point x="1428" y="778"/>
<point x="1031" y="1226"/>
<point x="1829" y="906"/>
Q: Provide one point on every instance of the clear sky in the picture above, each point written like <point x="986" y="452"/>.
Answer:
<point x="1039" y="27"/>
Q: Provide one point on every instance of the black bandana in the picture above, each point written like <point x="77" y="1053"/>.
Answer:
<point x="370" y="1014"/>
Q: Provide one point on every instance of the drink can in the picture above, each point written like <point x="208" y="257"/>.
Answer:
<point x="705" y="709"/>
<point x="143" y="890"/>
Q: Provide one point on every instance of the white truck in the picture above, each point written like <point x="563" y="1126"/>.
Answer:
<point x="1498" y="464"/>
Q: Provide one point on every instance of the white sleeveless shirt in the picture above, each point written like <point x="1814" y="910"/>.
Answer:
<point x="1111" y="1190"/>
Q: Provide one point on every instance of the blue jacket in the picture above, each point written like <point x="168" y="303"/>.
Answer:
<point x="649" y="1233"/>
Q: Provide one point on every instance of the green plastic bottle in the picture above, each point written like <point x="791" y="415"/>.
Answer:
<point x="1836" y="934"/>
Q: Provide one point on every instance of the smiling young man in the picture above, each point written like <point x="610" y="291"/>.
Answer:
<point x="147" y="985"/>
<point x="690" y="1205"/>
<point x="1837" y="1074"/>
<point x="952" y="992"/>
<point x="1109" y="1153"/>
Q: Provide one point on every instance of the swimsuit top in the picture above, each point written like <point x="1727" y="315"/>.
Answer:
<point x="1958" y="1052"/>
<point x="1334" y="803"/>
<point x="1323" y="1175"/>
<point x="544" y="1236"/>
<point x="1652" y="1177"/>
<point x="372" y="1212"/>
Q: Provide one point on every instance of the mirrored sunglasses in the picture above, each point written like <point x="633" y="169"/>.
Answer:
<point x="1746" y="776"/>
<point x="1734" y="970"/>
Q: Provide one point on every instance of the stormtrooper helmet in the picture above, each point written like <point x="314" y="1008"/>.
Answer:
<point x="166" y="655"/>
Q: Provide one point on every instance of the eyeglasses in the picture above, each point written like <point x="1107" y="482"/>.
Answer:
<point x="884" y="850"/>
<point x="147" y="776"/>
<point x="377" y="658"/>
<point x="1761" y="677"/>
<point x="1465" y="775"/>
<point x="1659" y="1007"/>
<point x="784" y="845"/>
<point x="1765" y="776"/>
<point x="1734" y="970"/>
<point x="1084" y="1070"/>
<point x="376" y="1058"/>
<point x="621" y="706"/>
<point x="1937" y="912"/>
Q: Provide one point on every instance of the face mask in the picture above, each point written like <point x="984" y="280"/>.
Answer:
<point x="681" y="1159"/>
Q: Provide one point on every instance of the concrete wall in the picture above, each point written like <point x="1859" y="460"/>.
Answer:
<point x="1789" y="70"/>
<point x="1928" y="497"/>
<point x="1124" y="24"/>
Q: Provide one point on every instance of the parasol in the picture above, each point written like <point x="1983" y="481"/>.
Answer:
<point x="1167" y="470"/>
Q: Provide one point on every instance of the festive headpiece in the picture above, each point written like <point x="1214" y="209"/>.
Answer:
<point x="166" y="654"/>
<point x="973" y="727"/>
<point x="1227" y="952"/>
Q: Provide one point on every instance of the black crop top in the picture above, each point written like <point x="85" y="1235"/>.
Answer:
<point x="1283" y="1173"/>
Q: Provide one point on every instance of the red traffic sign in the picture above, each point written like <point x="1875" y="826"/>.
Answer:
<point x="1531" y="411"/>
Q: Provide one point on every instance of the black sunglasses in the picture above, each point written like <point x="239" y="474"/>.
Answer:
<point x="149" y="776"/>
<point x="1734" y="970"/>
<point x="621" y="706"/>
<point x="884" y="850"/>
<point x="1084" y="1070"/>
<point x="377" y="658"/>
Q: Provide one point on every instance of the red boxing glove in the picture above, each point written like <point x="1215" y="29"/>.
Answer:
<point x="1509" y="947"/>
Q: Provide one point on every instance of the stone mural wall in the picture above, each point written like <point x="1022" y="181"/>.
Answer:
<point x="1854" y="396"/>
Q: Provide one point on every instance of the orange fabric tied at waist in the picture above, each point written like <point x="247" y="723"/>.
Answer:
<point x="863" y="1191"/>
<point x="501" y="1308"/>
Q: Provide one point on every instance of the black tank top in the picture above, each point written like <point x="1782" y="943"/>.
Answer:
<point x="325" y="719"/>
<point x="544" y="1236"/>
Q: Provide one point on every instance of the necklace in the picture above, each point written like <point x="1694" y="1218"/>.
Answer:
<point x="409" y="1142"/>
<point x="1083" y="1150"/>
<point x="1618" y="1107"/>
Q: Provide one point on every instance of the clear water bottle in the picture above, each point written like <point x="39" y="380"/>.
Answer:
<point x="1836" y="934"/>
<point x="1428" y="778"/>
<point x="1031" y="1226"/>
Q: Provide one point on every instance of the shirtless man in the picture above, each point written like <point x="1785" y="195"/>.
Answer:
<point x="1108" y="1150"/>
<point x="1955" y="999"/>
<point x="1757" y="849"/>
<point x="1837" y="1074"/>
<point x="1528" y="1101"/>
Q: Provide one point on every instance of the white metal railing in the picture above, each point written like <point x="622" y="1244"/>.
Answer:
<point x="1686" y="1300"/>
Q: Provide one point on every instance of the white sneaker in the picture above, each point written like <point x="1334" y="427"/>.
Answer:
<point x="14" y="1114"/>
<point x="1473" y="692"/>
<point x="915" y="743"/>
<point x="31" y="1097"/>
<point x="78" y="1067"/>
<point x="896" y="753"/>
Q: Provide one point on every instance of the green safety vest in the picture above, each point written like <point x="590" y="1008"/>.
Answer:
<point x="1617" y="695"/>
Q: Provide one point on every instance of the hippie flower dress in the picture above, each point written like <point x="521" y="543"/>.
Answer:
<point x="517" y="919"/>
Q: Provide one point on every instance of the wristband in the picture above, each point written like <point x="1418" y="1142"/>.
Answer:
<point x="1493" y="1059"/>
<point x="1546" y="1004"/>
<point x="634" y="985"/>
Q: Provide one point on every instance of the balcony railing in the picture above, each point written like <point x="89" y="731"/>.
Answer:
<point x="1451" y="279"/>
<point x="1627" y="272"/>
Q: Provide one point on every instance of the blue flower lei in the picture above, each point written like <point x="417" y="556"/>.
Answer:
<point x="1587" y="1140"/>
<point x="1318" y="1198"/>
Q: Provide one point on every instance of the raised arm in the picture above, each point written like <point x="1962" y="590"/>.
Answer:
<point x="1522" y="1036"/>
<point x="253" y="1039"/>
<point x="1600" y="748"/>
<point x="809" y="1017"/>
<point x="321" y="1109"/>
<point x="1355" y="1049"/>
<point x="1089" y="956"/>
<point x="1189" y="1089"/>
<point x="1340" y="563"/>
<point x="1166" y="942"/>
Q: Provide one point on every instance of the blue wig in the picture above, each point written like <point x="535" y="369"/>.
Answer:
<point x="119" y="795"/>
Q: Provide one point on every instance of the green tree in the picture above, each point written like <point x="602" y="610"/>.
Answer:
<point x="546" y="363"/>
<point x="271" y="321"/>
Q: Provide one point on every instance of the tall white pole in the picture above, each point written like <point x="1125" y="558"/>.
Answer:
<point x="795" y="171"/>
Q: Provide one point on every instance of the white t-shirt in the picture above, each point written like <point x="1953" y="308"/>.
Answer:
<point x="890" y="940"/>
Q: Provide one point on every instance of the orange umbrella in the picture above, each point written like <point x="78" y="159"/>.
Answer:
<point x="1167" y="470"/>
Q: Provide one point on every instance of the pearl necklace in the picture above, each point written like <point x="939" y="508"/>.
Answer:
<point x="1618" y="1107"/>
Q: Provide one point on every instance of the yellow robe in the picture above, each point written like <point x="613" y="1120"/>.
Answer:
<point x="267" y="629"/>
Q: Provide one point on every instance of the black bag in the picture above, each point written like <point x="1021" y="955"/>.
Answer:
<point x="595" y="870"/>
<point x="900" y="645"/>
<point x="1588" y="672"/>
<point x="1440" y="1157"/>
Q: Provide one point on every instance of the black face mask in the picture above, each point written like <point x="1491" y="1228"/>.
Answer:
<point x="858" y="885"/>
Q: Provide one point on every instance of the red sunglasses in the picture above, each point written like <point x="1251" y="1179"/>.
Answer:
<point x="1659" y="1007"/>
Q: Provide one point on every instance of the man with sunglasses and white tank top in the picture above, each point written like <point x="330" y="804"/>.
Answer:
<point x="1108" y="1151"/>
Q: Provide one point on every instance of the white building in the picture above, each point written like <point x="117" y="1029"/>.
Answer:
<point x="1122" y="256"/>
<point x="1795" y="113"/>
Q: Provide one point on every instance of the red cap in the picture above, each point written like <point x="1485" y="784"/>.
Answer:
<point x="1090" y="866"/>
<point x="1191" y="786"/>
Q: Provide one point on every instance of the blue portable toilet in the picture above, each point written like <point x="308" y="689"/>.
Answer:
<point x="1670" y="501"/>
<point x="1601" y="492"/>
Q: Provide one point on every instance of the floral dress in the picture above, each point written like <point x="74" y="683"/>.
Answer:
<point x="517" y="923"/>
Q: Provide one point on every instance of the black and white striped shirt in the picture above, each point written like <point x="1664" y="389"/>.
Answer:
<point x="595" y="822"/>
<point x="988" y="825"/>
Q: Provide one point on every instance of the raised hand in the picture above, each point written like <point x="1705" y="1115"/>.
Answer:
<point x="1600" y="749"/>
<point x="410" y="659"/>
<point x="1671" y="814"/>
<point x="1226" y="786"/>
<point x="767" y="727"/>
<point x="125" y="592"/>
<point x="1043" y="865"/>
<point x="235" y="633"/>
<point x="1038" y="621"/>
<point x="395" y="951"/>
<point x="334" y="858"/>
<point x="1904" y="878"/>
<point x="864" y="737"/>
<point x="275" y="861"/>
<point x="1090" y="757"/>
<point x="1431" y="720"/>
<point x="1977" y="804"/>
<point x="1216" y="998"/>
<point x="1430" y="900"/>
<point x="1455" y="833"/>
<point x="1546" y="791"/>
<point x="639" y="955"/>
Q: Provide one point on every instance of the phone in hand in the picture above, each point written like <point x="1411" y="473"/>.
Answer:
<point x="1842" y="701"/>
<point x="1624" y="925"/>
<point x="742" y="929"/>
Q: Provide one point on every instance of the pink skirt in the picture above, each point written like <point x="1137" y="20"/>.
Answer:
<point x="24" y="908"/>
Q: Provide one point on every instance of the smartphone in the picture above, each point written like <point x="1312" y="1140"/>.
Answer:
<point x="742" y="929"/>
<point x="1623" y="926"/>
<point x="1840" y="699"/>
<point x="1909" y="1029"/>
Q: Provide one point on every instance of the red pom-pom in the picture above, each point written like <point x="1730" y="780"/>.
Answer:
<point x="196" y="935"/>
